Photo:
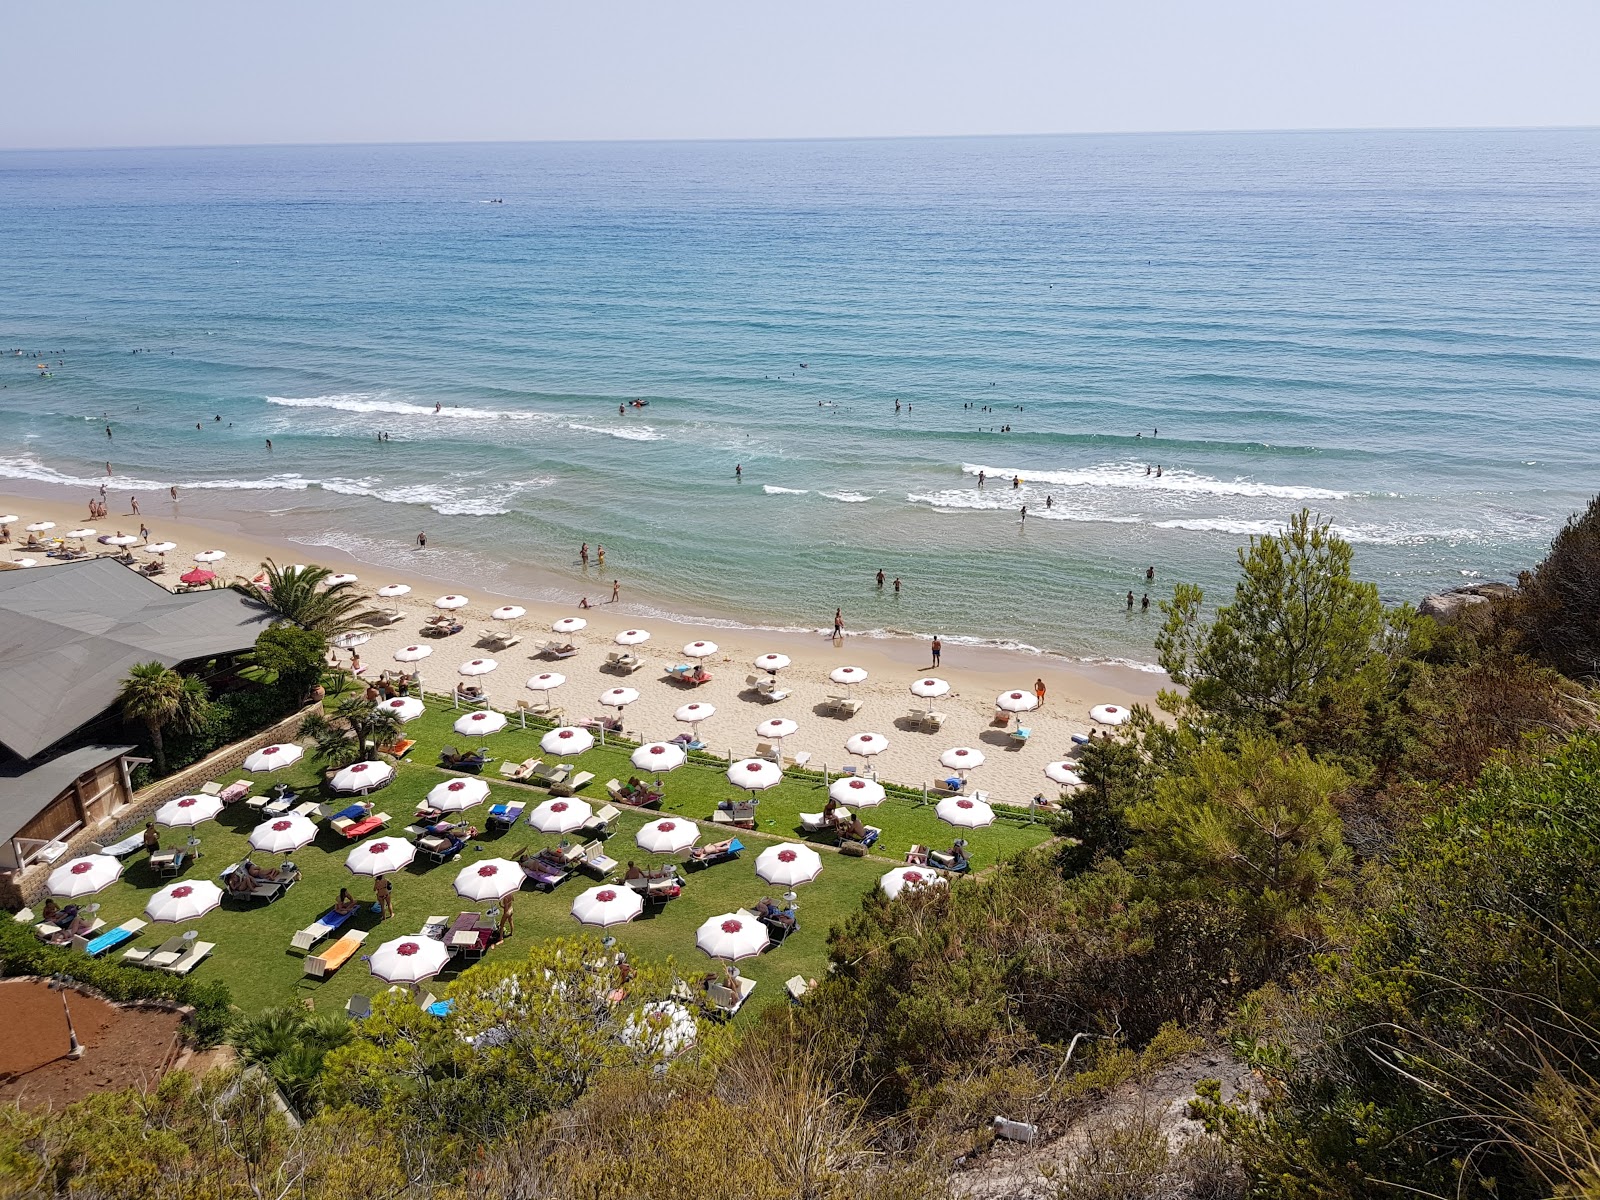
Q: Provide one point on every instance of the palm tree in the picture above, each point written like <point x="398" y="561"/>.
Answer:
<point x="343" y="737"/>
<point x="298" y="595"/>
<point x="158" y="697"/>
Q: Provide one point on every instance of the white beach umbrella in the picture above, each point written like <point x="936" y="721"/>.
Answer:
<point x="188" y="810"/>
<point x="409" y="959"/>
<point x="1016" y="701"/>
<point x="477" y="666"/>
<point x="962" y="758"/>
<point x="25" y="562"/>
<point x="508" y="612"/>
<point x="965" y="812"/>
<point x="1062" y="773"/>
<point x="84" y="876"/>
<point x="393" y="591"/>
<point x="339" y="577"/>
<point x="545" y="681"/>
<point x="569" y="739"/>
<point x="848" y="675"/>
<point x="210" y="556"/>
<point x="608" y="904"/>
<point x="490" y="879"/>
<point x="1109" y="714"/>
<point x="898" y="880"/>
<point x="453" y="795"/>
<point x="9" y="518"/>
<point x="480" y="724"/>
<point x="159" y="547"/>
<point x="866" y="744"/>
<point x="122" y="539"/>
<point x="362" y="776"/>
<point x="79" y="533"/>
<point x="350" y="639"/>
<point x="451" y="602"/>
<point x="693" y="712"/>
<point x="731" y="936"/>
<point x="271" y="758"/>
<point x="777" y="728"/>
<point x="561" y="815"/>
<point x="930" y="688"/>
<point x="282" y="835"/>
<point x="381" y="856"/>
<point x="659" y="756"/>
<point x="618" y="696"/>
<point x="40" y="526"/>
<point x="862" y="793"/>
<point x="568" y="625"/>
<point x="412" y="653"/>
<point x="632" y="637"/>
<point x="788" y="865"/>
<point x="668" y="835"/>
<point x="184" y="900"/>
<point x="699" y="649"/>
<point x="754" y="774"/>
<point x="771" y="662"/>
<point x="407" y="708"/>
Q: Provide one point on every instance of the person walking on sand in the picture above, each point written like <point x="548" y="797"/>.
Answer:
<point x="1038" y="690"/>
<point x="838" y="623"/>
<point x="616" y="591"/>
<point x="134" y="500"/>
<point x="384" y="891"/>
<point x="938" y="649"/>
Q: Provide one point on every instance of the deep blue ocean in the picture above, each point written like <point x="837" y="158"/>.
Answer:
<point x="1400" y="331"/>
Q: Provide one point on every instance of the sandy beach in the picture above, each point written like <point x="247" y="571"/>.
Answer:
<point x="1012" y="772"/>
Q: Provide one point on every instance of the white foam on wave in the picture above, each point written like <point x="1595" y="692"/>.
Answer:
<point x="1131" y="476"/>
<point x="381" y="402"/>
<point x="773" y="489"/>
<point x="449" y="500"/>
<point x="628" y="433"/>
<point x="847" y="497"/>
<point x="26" y="466"/>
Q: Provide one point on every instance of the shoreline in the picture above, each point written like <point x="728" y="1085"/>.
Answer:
<point x="977" y="674"/>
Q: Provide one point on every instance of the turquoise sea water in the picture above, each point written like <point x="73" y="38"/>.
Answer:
<point x="1399" y="330"/>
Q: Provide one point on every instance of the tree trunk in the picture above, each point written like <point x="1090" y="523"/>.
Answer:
<point x="156" y="746"/>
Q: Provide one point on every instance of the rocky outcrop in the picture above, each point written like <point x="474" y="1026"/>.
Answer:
<point x="1448" y="606"/>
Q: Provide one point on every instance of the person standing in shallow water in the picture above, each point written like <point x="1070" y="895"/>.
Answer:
<point x="938" y="649"/>
<point x="422" y="541"/>
<point x="1130" y="601"/>
<point x="880" y="576"/>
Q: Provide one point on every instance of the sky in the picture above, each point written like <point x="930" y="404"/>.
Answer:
<point x="179" y="72"/>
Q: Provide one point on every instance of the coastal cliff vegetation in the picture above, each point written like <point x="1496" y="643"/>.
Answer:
<point x="1355" y="852"/>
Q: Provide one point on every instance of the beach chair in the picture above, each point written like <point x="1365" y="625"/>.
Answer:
<point x="504" y="816"/>
<point x="597" y="862"/>
<point x="658" y="886"/>
<point x="235" y="791"/>
<point x="1020" y="735"/>
<point x="604" y="822"/>
<point x="497" y="639"/>
<point x="95" y="946"/>
<point x="211" y="788"/>
<point x="168" y="951"/>
<point x="358" y="1007"/>
<point x="735" y="812"/>
<point x="797" y="987"/>
<point x="542" y="872"/>
<point x="723" y="1002"/>
<point x="769" y="690"/>
<point x="842" y="706"/>
<point x="614" y="790"/>
<point x="555" y="650"/>
<point x="440" y="847"/>
<point x="324" y="926"/>
<point x="623" y="662"/>
<point x="576" y="782"/>
<point x="517" y="771"/>
<point x="701" y="857"/>
<point x="320" y="966"/>
<point x="821" y="822"/>
<point x="555" y="773"/>
<point x="194" y="954"/>
<point x="131" y="844"/>
<point x="768" y="751"/>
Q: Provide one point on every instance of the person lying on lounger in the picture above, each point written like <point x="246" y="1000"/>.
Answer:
<point x="714" y="850"/>
<point x="854" y="829"/>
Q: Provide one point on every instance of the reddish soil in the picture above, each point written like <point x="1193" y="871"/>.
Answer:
<point x="123" y="1047"/>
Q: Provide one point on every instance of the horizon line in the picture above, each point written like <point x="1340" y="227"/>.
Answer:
<point x="868" y="137"/>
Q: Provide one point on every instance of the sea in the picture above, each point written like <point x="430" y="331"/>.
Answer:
<point x="759" y="372"/>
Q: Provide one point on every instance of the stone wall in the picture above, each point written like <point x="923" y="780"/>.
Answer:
<point x="19" y="888"/>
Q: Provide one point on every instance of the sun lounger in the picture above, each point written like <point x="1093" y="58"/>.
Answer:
<point x="324" y="926"/>
<point x="471" y="762"/>
<point x="441" y="847"/>
<point x="518" y="771"/>
<point x="571" y="785"/>
<point x="842" y="706"/>
<point x="735" y="812"/>
<point x="168" y="951"/>
<point x="169" y="862"/>
<point x="855" y="847"/>
<point x="498" y="639"/>
<point x="1021" y="734"/>
<point x="97" y="945"/>
<point x="358" y="1007"/>
<point x="191" y="958"/>
<point x="724" y="1002"/>
<point x="237" y="790"/>
<point x="556" y="650"/>
<point x="700" y="857"/>
<point x="555" y="773"/>
<point x="320" y="966"/>
<point x="398" y="748"/>
<point x="597" y="862"/>
<point x="211" y="788"/>
<point x="797" y="987"/>
<point x="623" y="662"/>
<point x="604" y="821"/>
<point x="820" y="822"/>
<point x="504" y="816"/>
<point x="926" y="718"/>
<point x="131" y="844"/>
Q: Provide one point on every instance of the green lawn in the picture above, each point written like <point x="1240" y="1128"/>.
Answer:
<point x="253" y="954"/>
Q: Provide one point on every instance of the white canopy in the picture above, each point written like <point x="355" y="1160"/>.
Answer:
<point x="898" y="880"/>
<point x="848" y="675"/>
<point x="863" y="793"/>
<point x="451" y="602"/>
<point x="477" y="666"/>
<point x="407" y="708"/>
<point x="362" y="777"/>
<point x="1016" y="701"/>
<point x="561" y="815"/>
<point x="1109" y="714"/>
<point x="409" y="959"/>
<point x="659" y="756"/>
<point x="929" y="688"/>
<point x="480" y="724"/>
<point x="632" y="637"/>
<point x="508" y="612"/>
<point x="962" y="758"/>
<point x="381" y="856"/>
<point x="412" y="653"/>
<point x="453" y="795"/>
<point x="965" y="812"/>
<point x="569" y="739"/>
<point x="789" y="865"/>
<point x="568" y="625"/>
<point x="284" y="834"/>
<point x="271" y="758"/>
<point x="618" y="696"/>
<point x="699" y="649"/>
<point x="84" y="876"/>
<point x="754" y="774"/>
<point x="668" y="835"/>
<point x="184" y="811"/>
<point x="694" y="711"/>
<point x="732" y="936"/>
<point x="490" y="879"/>
<point x="608" y="904"/>
<point x="866" y="744"/>
<point x="185" y="900"/>
<point x="545" y="681"/>
<point x="771" y="662"/>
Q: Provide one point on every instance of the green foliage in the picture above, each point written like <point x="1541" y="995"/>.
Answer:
<point x="302" y="596"/>
<point x="292" y="654"/>
<point x="1256" y="827"/>
<point x="290" y="1044"/>
<point x="355" y="723"/>
<point x="1116" y="776"/>
<point x="159" y="698"/>
<point x="1557" y="608"/>
<point x="21" y="953"/>
<point x="1300" y="629"/>
<point x="523" y="1037"/>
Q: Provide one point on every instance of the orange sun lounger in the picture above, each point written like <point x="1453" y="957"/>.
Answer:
<point x="335" y="956"/>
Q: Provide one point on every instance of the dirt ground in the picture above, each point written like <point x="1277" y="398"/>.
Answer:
<point x="123" y="1047"/>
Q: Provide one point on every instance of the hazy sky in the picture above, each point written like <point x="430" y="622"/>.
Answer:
<point x="166" y="72"/>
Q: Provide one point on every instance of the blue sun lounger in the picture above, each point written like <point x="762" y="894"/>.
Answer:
<point x="324" y="926"/>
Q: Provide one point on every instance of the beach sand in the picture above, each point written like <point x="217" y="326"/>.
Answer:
<point x="1012" y="772"/>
